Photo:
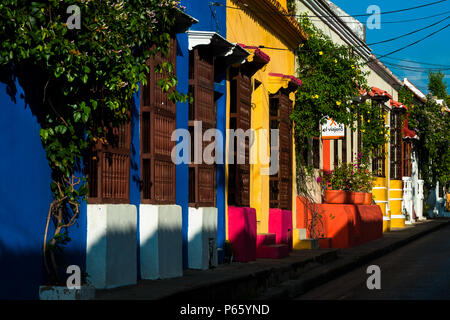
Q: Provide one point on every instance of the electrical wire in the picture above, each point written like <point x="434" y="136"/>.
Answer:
<point x="417" y="62"/>
<point x="331" y="16"/>
<point x="415" y="42"/>
<point x="407" y="34"/>
<point x="396" y="21"/>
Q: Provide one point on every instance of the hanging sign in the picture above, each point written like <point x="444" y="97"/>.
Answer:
<point x="332" y="130"/>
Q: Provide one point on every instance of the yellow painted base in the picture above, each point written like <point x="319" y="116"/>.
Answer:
<point x="303" y="245"/>
<point x="386" y="225"/>
<point x="296" y="242"/>
<point x="397" y="222"/>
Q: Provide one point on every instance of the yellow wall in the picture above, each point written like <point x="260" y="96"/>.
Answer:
<point x="251" y="31"/>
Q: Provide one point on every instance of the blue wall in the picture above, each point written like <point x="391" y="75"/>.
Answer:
<point x="211" y="18"/>
<point x="25" y="197"/>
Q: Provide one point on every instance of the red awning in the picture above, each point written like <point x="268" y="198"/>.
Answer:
<point x="407" y="132"/>
<point x="376" y="92"/>
<point x="397" y="104"/>
<point x="265" y="58"/>
<point x="293" y="80"/>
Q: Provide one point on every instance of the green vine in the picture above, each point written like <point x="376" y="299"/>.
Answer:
<point x="331" y="77"/>
<point x="82" y="83"/>
<point x="432" y="124"/>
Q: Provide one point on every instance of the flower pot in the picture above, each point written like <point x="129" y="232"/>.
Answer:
<point x="367" y="198"/>
<point x="357" y="198"/>
<point x="335" y="196"/>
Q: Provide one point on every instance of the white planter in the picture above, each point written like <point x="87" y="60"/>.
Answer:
<point x="64" y="293"/>
<point x="111" y="257"/>
<point x="160" y="241"/>
<point x="202" y="238"/>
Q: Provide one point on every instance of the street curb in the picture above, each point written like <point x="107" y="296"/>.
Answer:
<point x="294" y="288"/>
<point x="251" y="285"/>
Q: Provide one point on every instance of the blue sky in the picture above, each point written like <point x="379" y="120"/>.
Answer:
<point x="434" y="50"/>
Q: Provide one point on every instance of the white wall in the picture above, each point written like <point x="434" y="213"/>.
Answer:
<point x="160" y="241"/>
<point x="111" y="249"/>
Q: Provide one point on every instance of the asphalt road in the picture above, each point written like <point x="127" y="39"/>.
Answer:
<point x="417" y="271"/>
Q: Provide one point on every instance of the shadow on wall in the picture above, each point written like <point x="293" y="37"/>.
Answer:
<point x="111" y="258"/>
<point x="25" y="193"/>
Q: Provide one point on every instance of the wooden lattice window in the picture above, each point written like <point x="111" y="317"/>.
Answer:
<point x="280" y="184"/>
<point x="407" y="162"/>
<point x="109" y="167"/>
<point x="158" y="121"/>
<point x="336" y="152"/>
<point x="344" y="147"/>
<point x="202" y="177"/>
<point x="379" y="157"/>
<point x="240" y="118"/>
<point x="396" y="145"/>
<point x="316" y="152"/>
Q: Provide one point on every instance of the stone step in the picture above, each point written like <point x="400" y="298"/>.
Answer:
<point x="273" y="251"/>
<point x="265" y="239"/>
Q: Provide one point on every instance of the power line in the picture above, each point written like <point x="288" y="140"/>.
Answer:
<point x="413" y="69"/>
<point x="330" y="16"/>
<point x="417" y="62"/>
<point x="414" y="43"/>
<point x="407" y="34"/>
<point x="397" y="21"/>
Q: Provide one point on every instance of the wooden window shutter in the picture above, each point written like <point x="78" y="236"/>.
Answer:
<point x="109" y="167"/>
<point x="281" y="183"/>
<point x="407" y="164"/>
<point x="202" y="177"/>
<point x="240" y="118"/>
<point x="158" y="121"/>
<point x="316" y="152"/>
<point x="379" y="159"/>
<point x="396" y="145"/>
<point x="344" y="147"/>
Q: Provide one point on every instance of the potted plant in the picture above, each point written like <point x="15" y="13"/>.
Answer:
<point x="356" y="196"/>
<point x="361" y="183"/>
<point x="336" y="184"/>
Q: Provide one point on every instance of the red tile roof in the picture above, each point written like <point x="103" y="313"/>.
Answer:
<point x="398" y="104"/>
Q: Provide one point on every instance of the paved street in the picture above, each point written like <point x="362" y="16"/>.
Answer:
<point x="419" y="270"/>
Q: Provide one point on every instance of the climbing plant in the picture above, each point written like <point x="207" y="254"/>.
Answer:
<point x="81" y="79"/>
<point x="331" y="77"/>
<point x="432" y="123"/>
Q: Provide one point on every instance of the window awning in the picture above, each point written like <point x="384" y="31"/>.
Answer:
<point x="407" y="132"/>
<point x="397" y="104"/>
<point x="219" y="45"/>
<point x="376" y="93"/>
<point x="257" y="58"/>
<point x="183" y="22"/>
<point x="279" y="80"/>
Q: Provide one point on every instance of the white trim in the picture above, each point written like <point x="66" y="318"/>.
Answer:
<point x="397" y="216"/>
<point x="227" y="48"/>
<point x="381" y="201"/>
<point x="386" y="218"/>
<point x="379" y="188"/>
<point x="396" y="199"/>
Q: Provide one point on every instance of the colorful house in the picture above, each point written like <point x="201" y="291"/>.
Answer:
<point x="387" y="162"/>
<point x="260" y="98"/>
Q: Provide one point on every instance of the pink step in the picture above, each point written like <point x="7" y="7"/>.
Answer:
<point x="273" y="251"/>
<point x="280" y="223"/>
<point x="265" y="239"/>
<point x="242" y="233"/>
